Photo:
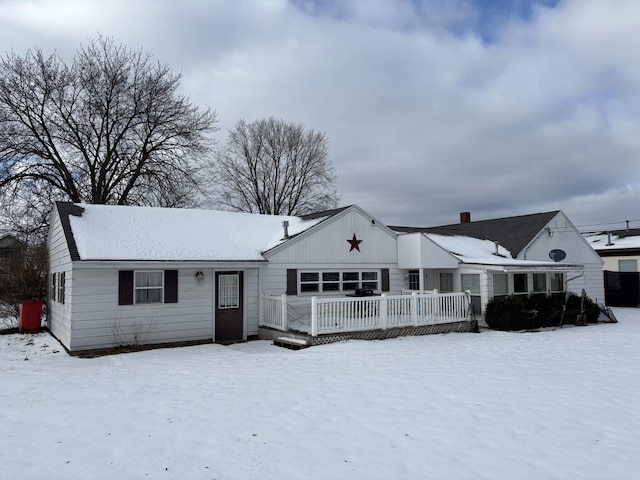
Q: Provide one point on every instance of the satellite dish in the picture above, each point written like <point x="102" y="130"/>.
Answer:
<point x="557" y="255"/>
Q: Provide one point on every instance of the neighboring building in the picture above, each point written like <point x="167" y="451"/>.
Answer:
<point x="620" y="251"/>
<point x="10" y="247"/>
<point x="155" y="275"/>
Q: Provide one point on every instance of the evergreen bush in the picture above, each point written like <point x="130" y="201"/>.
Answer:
<point x="519" y="312"/>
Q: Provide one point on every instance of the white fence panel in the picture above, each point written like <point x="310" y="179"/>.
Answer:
<point x="335" y="315"/>
<point x="347" y="314"/>
<point x="274" y="310"/>
<point x="399" y="311"/>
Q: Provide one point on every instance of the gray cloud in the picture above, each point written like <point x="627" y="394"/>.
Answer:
<point x="427" y="113"/>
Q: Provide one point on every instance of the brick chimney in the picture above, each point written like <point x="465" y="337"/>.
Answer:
<point x="465" y="217"/>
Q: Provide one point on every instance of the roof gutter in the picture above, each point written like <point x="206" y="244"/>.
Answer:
<point x="134" y="264"/>
<point x="561" y="268"/>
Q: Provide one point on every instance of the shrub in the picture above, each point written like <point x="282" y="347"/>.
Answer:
<point x="503" y="312"/>
<point x="517" y="312"/>
<point x="8" y="317"/>
<point x="24" y="277"/>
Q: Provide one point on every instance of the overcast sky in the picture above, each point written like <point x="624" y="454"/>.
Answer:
<point x="431" y="107"/>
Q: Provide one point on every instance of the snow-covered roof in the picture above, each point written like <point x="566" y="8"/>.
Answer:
<point x="614" y="241"/>
<point x="108" y="232"/>
<point x="515" y="233"/>
<point x="471" y="250"/>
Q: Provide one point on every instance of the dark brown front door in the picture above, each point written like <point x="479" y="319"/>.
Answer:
<point x="229" y="295"/>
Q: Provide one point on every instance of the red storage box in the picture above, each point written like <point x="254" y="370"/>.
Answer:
<point x="30" y="313"/>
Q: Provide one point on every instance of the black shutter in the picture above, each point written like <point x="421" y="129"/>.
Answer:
<point x="125" y="287"/>
<point x="385" y="279"/>
<point x="171" y="286"/>
<point x="62" y="285"/>
<point x="292" y="281"/>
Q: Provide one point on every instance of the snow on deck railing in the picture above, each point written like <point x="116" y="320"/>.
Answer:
<point x="332" y="315"/>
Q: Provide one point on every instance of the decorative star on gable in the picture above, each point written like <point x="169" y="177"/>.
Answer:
<point x="355" y="243"/>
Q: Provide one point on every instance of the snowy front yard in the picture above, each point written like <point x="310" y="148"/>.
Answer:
<point x="559" y="404"/>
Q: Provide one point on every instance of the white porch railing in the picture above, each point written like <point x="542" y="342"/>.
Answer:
<point x="274" y="311"/>
<point x="350" y="314"/>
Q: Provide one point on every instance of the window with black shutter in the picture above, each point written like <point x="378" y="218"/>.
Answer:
<point x="147" y="286"/>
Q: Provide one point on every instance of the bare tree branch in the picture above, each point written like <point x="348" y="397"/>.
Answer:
<point x="111" y="127"/>
<point x="275" y="167"/>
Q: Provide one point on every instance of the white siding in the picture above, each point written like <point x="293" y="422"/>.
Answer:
<point x="398" y="280"/>
<point x="328" y="243"/>
<point x="99" y="322"/>
<point x="561" y="234"/>
<point x="409" y="251"/>
<point x="274" y="279"/>
<point x="592" y="281"/>
<point x="252" y="306"/>
<point x="417" y="251"/>
<point x="59" y="315"/>
<point x="327" y="248"/>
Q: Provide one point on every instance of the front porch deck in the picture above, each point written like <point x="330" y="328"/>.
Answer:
<point x="318" y="321"/>
<point x="266" y="333"/>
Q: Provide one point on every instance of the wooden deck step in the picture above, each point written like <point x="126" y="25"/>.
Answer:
<point x="291" y="343"/>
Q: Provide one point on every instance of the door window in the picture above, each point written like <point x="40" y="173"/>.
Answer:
<point x="228" y="291"/>
<point x="471" y="282"/>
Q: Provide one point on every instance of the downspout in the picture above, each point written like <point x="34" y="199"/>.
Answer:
<point x="571" y="279"/>
<point x="260" y="294"/>
<point x="576" y="277"/>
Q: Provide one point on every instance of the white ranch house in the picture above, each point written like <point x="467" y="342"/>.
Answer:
<point x="122" y="275"/>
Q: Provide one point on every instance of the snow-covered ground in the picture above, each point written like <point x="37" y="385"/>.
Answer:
<point x="557" y="404"/>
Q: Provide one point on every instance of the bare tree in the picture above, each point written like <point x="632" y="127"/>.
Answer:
<point x="23" y="276"/>
<point x="110" y="128"/>
<point x="275" y="167"/>
<point x="25" y="208"/>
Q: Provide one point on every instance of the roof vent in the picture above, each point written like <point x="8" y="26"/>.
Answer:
<point x="465" y="217"/>
<point x="285" y="226"/>
<point x="497" y="250"/>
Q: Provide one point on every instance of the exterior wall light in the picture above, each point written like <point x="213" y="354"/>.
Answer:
<point x="199" y="278"/>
